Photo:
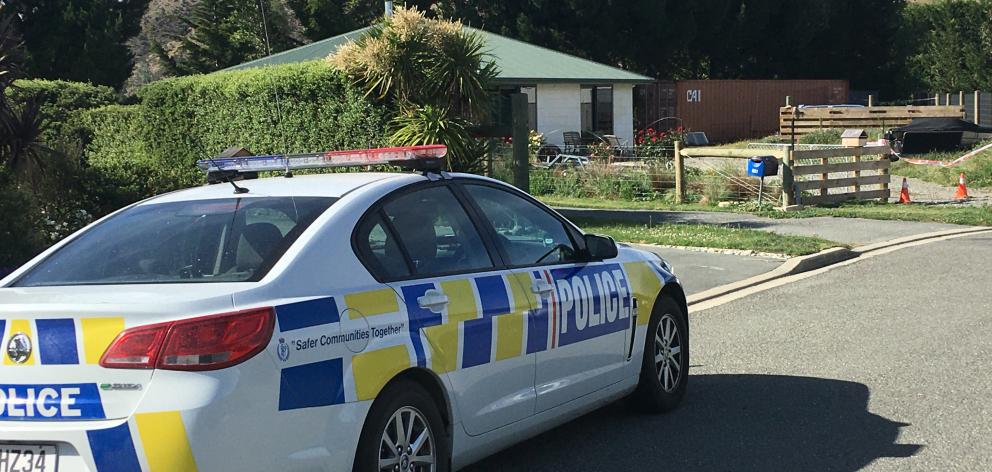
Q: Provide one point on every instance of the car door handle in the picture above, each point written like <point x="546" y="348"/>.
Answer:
<point x="541" y="287"/>
<point x="433" y="300"/>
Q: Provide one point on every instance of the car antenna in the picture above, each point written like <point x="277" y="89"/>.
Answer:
<point x="275" y="89"/>
<point x="228" y="175"/>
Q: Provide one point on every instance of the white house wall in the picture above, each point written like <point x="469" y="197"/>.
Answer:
<point x="558" y="111"/>
<point x="623" y="112"/>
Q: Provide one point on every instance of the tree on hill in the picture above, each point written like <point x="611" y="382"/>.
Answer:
<point x="80" y="40"/>
<point x="224" y="33"/>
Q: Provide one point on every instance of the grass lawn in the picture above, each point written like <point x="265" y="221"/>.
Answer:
<point x="707" y="236"/>
<point x="961" y="215"/>
<point x="978" y="169"/>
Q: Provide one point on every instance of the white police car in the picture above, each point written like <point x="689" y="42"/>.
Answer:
<point x="348" y="321"/>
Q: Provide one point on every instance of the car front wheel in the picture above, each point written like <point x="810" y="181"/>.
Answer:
<point x="665" y="366"/>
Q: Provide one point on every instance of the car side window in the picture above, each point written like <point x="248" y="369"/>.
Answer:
<point x="380" y="249"/>
<point x="436" y="233"/>
<point x="527" y="234"/>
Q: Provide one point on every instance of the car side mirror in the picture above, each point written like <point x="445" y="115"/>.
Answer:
<point x="600" y="247"/>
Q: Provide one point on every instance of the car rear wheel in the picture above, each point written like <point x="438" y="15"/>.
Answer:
<point x="665" y="365"/>
<point x="404" y="432"/>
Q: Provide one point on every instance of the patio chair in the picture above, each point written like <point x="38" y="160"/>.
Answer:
<point x="573" y="142"/>
<point x="617" y="147"/>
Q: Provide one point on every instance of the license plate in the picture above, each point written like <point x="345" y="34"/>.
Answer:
<point x="28" y="458"/>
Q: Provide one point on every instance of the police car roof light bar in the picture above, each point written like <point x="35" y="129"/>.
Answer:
<point x="425" y="157"/>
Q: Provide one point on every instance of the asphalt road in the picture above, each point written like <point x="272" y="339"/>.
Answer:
<point x="700" y="271"/>
<point x="885" y="364"/>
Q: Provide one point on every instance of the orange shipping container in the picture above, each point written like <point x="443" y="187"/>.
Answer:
<point x="729" y="110"/>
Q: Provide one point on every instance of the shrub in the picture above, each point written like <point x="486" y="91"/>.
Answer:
<point x="61" y="102"/>
<point x="290" y="108"/>
<point x="121" y="170"/>
<point x="823" y="136"/>
<point x="20" y="231"/>
<point x="659" y="143"/>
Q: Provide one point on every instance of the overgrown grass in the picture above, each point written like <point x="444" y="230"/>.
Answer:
<point x="707" y="236"/>
<point x="612" y="204"/>
<point x="978" y="169"/>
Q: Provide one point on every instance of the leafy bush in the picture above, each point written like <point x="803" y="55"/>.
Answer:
<point x="20" y="231"/>
<point x="291" y="108"/>
<point x="61" y="102"/>
<point x="823" y="136"/>
<point x="121" y="170"/>
<point x="659" y="143"/>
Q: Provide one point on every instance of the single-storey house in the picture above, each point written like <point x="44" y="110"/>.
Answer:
<point x="565" y="93"/>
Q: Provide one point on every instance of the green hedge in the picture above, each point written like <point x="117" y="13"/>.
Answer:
<point x="121" y="170"/>
<point x="185" y="119"/>
<point x="61" y="103"/>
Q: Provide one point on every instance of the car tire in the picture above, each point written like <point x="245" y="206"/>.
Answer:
<point x="404" y="402"/>
<point x="664" y="371"/>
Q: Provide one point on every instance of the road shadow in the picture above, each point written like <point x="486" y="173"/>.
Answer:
<point x="728" y="422"/>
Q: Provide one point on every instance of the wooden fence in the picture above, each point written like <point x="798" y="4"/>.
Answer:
<point x="801" y="121"/>
<point x="835" y="175"/>
<point x="818" y="176"/>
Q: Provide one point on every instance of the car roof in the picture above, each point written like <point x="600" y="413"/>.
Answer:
<point x="318" y="185"/>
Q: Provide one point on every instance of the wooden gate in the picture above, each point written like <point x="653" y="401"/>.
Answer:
<point x="835" y="175"/>
<point x="819" y="176"/>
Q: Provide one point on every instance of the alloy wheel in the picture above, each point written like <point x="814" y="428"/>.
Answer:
<point x="407" y="443"/>
<point x="668" y="353"/>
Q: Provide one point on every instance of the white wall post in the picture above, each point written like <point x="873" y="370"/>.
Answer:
<point x="558" y="110"/>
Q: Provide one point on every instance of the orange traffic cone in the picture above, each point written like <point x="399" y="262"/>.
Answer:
<point x="904" y="194"/>
<point x="962" y="193"/>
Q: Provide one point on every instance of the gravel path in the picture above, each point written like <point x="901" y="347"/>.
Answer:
<point x="927" y="192"/>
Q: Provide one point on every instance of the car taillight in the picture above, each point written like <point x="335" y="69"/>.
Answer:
<point x="205" y="343"/>
<point x="136" y="348"/>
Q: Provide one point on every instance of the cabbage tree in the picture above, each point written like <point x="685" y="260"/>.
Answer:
<point x="436" y="74"/>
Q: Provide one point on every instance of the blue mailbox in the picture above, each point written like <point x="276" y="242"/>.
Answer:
<point x="762" y="166"/>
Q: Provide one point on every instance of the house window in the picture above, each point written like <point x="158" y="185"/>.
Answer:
<point x="505" y="109"/>
<point x="597" y="108"/>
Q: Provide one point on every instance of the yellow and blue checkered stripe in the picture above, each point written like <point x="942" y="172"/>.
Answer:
<point x="63" y="341"/>
<point x="164" y="445"/>
<point x="488" y="318"/>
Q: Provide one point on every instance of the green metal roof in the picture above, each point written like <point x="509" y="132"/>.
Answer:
<point x="519" y="62"/>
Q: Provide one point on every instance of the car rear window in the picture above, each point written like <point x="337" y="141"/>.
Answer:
<point x="227" y="240"/>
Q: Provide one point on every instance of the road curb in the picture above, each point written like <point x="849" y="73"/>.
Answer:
<point x="919" y="237"/>
<point x="791" y="266"/>
<point x="828" y="257"/>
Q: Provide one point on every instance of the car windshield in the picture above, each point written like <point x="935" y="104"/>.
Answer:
<point x="228" y="240"/>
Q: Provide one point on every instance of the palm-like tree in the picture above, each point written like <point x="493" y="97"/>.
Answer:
<point x="21" y="148"/>
<point x="436" y="73"/>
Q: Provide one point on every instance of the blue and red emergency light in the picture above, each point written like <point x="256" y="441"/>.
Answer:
<point x="413" y="157"/>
